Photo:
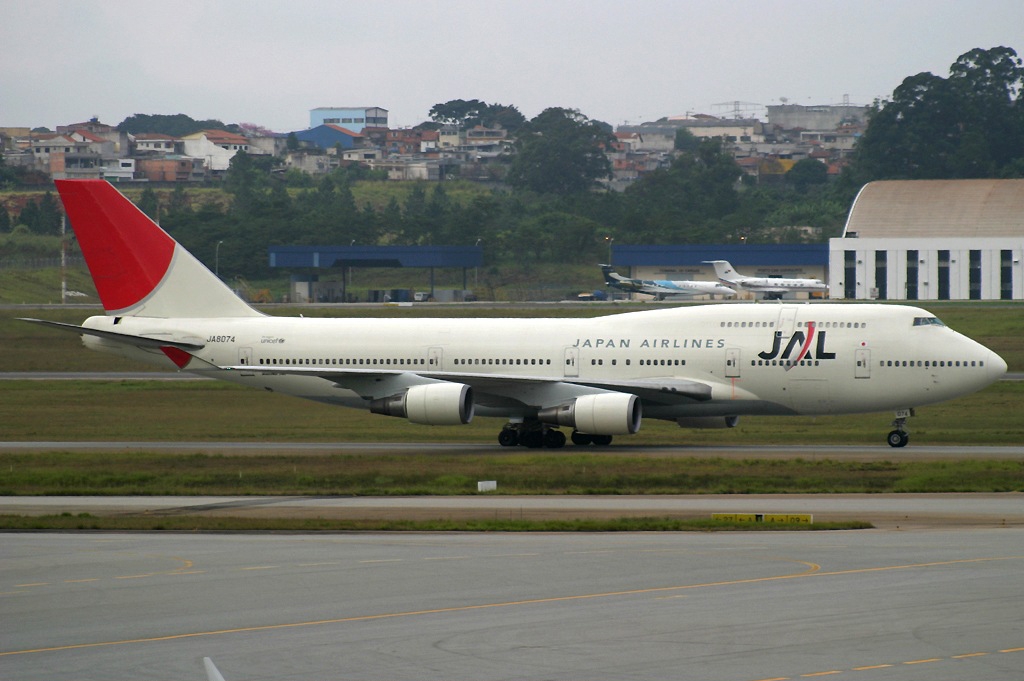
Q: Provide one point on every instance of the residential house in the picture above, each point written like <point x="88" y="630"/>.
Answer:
<point x="215" y="147"/>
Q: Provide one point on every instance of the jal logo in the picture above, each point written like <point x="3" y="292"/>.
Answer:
<point x="800" y="343"/>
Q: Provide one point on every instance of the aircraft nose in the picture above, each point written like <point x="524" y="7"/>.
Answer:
<point x="996" y="366"/>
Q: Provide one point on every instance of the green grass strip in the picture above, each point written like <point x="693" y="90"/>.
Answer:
<point x="139" y="523"/>
<point x="520" y="473"/>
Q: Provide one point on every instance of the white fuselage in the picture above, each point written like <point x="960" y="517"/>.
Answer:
<point x="757" y="359"/>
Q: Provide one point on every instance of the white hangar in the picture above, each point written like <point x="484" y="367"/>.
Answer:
<point x="932" y="240"/>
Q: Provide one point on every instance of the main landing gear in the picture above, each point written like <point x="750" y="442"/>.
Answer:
<point x="534" y="434"/>
<point x="900" y="437"/>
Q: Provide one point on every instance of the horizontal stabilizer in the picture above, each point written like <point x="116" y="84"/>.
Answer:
<point x="127" y="339"/>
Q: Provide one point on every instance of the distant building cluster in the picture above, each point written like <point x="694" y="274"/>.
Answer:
<point x="360" y="135"/>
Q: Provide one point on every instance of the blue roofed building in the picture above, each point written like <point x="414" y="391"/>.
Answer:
<point x="329" y="136"/>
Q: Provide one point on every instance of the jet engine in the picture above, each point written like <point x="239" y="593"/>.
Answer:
<point x="708" y="421"/>
<point x="433" y="404"/>
<point x="602" y="414"/>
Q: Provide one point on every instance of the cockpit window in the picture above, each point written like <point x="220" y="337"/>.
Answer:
<point x="928" y="321"/>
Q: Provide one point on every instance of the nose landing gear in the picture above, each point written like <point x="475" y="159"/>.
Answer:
<point x="899" y="437"/>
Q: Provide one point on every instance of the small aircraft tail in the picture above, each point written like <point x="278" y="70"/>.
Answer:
<point x="610" y="276"/>
<point x="725" y="271"/>
<point x="138" y="268"/>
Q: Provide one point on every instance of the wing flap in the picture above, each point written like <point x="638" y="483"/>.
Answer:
<point x="496" y="390"/>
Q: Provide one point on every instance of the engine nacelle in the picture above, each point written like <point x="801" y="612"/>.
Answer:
<point x="602" y="414"/>
<point x="434" y="404"/>
<point x="708" y="421"/>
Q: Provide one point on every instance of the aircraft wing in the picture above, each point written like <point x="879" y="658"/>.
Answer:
<point x="495" y="390"/>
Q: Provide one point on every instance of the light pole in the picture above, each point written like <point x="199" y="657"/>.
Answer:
<point x="476" y="270"/>
<point x="609" y="239"/>
<point x="216" y="259"/>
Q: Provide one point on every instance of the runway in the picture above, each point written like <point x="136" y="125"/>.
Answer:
<point x="869" y="452"/>
<point x="867" y="605"/>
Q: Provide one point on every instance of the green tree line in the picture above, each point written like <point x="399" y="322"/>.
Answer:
<point x="550" y="209"/>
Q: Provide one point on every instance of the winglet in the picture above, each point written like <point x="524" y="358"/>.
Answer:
<point x="212" y="673"/>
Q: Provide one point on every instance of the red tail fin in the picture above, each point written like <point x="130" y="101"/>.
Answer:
<point x="127" y="253"/>
<point x="139" y="270"/>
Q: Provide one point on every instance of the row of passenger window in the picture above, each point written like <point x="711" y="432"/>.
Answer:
<point x="817" y="325"/>
<point x="287" y="361"/>
<point x="644" y="362"/>
<point x="502" y="361"/>
<point x="928" y="363"/>
<point x="784" y="362"/>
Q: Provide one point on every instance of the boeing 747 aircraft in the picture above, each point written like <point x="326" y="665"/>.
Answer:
<point x="596" y="378"/>
<point x="772" y="287"/>
<point x="663" y="287"/>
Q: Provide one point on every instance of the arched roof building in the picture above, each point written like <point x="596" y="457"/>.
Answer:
<point x="932" y="240"/>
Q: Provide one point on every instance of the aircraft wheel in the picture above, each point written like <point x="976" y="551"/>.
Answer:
<point x="533" y="439"/>
<point x="554" y="439"/>
<point x="579" y="438"/>
<point x="602" y="440"/>
<point x="898" y="438"/>
<point x="508" y="437"/>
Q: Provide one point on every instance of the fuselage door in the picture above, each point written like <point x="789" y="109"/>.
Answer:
<point x="572" y="356"/>
<point x="862" y="363"/>
<point x="732" y="362"/>
<point x="435" y="357"/>
<point x="787" y="320"/>
<point x="245" y="358"/>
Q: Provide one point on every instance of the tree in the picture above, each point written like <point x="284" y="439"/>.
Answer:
<point x="686" y="141"/>
<point x="970" y="125"/>
<point x="560" y="151"/>
<point x="469" y="113"/>
<point x="175" y="125"/>
<point x="688" y="201"/>
<point x="807" y="172"/>
<point x="149" y="204"/>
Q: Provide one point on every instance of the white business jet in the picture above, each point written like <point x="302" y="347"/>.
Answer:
<point x="772" y="287"/>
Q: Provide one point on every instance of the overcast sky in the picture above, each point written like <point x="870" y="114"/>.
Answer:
<point x="270" y="62"/>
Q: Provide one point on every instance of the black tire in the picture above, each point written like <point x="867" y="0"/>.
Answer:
<point x="582" y="439"/>
<point x="897" y="438"/>
<point x="508" y="438"/>
<point x="534" y="439"/>
<point x="554" y="439"/>
<point x="602" y="440"/>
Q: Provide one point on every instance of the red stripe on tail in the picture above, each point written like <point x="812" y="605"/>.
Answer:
<point x="127" y="253"/>
<point x="177" y="355"/>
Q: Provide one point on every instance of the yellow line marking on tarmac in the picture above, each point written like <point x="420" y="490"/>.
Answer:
<point x="966" y="655"/>
<point x="22" y="586"/>
<point x="80" y="581"/>
<point x="813" y="571"/>
<point x="828" y="673"/>
<point x="870" y="667"/>
<point x="930" y="659"/>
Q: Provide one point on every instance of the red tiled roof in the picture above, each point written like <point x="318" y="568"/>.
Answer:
<point x="348" y="132"/>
